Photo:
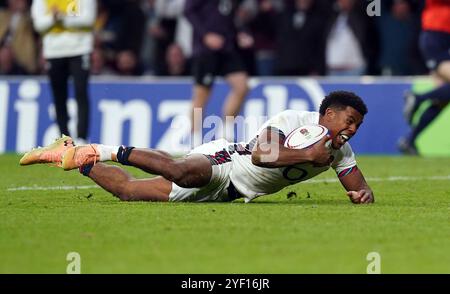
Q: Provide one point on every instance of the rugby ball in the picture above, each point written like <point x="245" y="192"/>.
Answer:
<point x="305" y="136"/>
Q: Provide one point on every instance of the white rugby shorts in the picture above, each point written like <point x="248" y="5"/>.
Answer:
<point x="217" y="190"/>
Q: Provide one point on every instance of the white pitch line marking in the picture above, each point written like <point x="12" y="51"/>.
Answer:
<point x="50" y="188"/>
<point x="388" y="179"/>
<point x="328" y="180"/>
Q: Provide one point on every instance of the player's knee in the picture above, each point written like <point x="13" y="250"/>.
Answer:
<point x="124" y="193"/>
<point x="123" y="196"/>
<point x="177" y="172"/>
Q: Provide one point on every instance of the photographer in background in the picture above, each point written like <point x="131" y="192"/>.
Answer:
<point x="67" y="31"/>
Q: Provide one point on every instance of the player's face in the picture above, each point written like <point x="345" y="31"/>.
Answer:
<point x="342" y="124"/>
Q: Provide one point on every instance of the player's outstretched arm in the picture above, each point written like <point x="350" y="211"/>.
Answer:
<point x="270" y="152"/>
<point x="357" y="188"/>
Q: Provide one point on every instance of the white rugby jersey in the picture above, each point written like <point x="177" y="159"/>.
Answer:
<point x="253" y="181"/>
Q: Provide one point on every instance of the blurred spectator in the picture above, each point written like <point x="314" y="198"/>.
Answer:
<point x="183" y="36"/>
<point x="119" y="34"/>
<point x="215" y="52"/>
<point x="301" y="38"/>
<point x="98" y="66"/>
<point x="399" y="27"/>
<point x="162" y="30"/>
<point x="177" y="65"/>
<point x="352" y="41"/>
<point x="435" y="47"/>
<point x="246" y="11"/>
<point x="263" y="29"/>
<point x="148" y="42"/>
<point x="67" y="44"/>
<point x="127" y="63"/>
<point x="290" y="37"/>
<point x="105" y="38"/>
<point x="18" y="50"/>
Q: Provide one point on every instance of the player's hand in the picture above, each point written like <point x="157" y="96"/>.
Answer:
<point x="321" y="153"/>
<point x="361" y="197"/>
<point x="214" y="41"/>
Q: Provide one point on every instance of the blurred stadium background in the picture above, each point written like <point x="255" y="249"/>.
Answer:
<point x="141" y="83"/>
<point x="136" y="88"/>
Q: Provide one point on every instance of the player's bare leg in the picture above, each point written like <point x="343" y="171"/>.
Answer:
<point x="122" y="185"/>
<point x="442" y="76"/>
<point x="189" y="172"/>
<point x="199" y="100"/>
<point x="233" y="103"/>
<point x="239" y="89"/>
<point x="439" y="98"/>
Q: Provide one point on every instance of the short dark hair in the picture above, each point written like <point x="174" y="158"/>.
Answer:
<point x="342" y="99"/>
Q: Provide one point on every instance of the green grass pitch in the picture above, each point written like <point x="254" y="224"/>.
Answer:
<point x="314" y="230"/>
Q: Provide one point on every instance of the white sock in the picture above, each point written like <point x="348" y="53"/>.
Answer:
<point x="106" y="151"/>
